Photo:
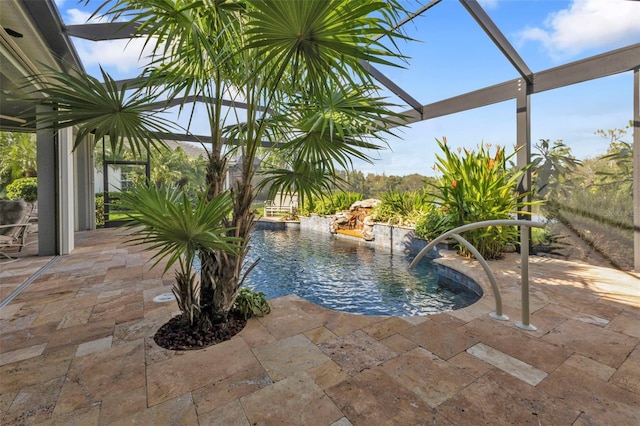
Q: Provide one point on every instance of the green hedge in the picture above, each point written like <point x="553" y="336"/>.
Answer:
<point x="25" y="188"/>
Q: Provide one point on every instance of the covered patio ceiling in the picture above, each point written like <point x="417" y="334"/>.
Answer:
<point x="32" y="37"/>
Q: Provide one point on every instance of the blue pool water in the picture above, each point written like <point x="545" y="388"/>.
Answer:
<point x="348" y="275"/>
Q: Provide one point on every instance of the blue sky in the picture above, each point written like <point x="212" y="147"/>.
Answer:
<point x="452" y="55"/>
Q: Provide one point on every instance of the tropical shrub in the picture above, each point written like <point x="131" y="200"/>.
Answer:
<point x="477" y="186"/>
<point x="25" y="188"/>
<point x="289" y="216"/>
<point x="115" y="206"/>
<point x="433" y="223"/>
<point x="332" y="203"/>
<point x="251" y="303"/>
<point x="167" y="166"/>
<point x="18" y="152"/>
<point x="403" y="208"/>
<point x="99" y="210"/>
<point x="179" y="229"/>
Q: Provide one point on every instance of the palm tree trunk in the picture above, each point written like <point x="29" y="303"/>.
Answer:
<point x="221" y="272"/>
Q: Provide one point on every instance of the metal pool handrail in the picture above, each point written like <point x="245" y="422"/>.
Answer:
<point x="524" y="262"/>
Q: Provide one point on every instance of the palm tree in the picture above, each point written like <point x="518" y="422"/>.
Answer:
<point x="178" y="230"/>
<point x="288" y="73"/>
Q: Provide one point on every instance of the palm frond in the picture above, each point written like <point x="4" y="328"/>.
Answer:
<point x="302" y="177"/>
<point x="319" y="41"/>
<point x="174" y="225"/>
<point x="102" y="109"/>
<point x="338" y="127"/>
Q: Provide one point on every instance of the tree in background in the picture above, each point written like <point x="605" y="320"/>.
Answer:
<point x="374" y="185"/>
<point x="178" y="168"/>
<point x="590" y="199"/>
<point x="168" y="166"/>
<point x="553" y="169"/>
<point x="17" y="157"/>
<point x="619" y="157"/>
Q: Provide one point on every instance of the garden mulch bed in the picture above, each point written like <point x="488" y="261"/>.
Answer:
<point x="176" y="335"/>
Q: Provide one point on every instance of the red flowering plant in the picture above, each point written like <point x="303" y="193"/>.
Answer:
<point x="476" y="186"/>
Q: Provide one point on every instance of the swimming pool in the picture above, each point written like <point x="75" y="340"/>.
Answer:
<point x="348" y="275"/>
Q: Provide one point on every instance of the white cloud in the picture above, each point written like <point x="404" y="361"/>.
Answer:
<point x="488" y="4"/>
<point x="124" y="56"/>
<point x="121" y="55"/>
<point x="587" y="24"/>
<point x="78" y="17"/>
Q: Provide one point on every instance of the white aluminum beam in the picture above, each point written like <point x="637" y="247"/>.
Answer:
<point x="606" y="64"/>
<point x="523" y="143"/>
<point x="191" y="99"/>
<point x="476" y="99"/>
<point x="207" y="140"/>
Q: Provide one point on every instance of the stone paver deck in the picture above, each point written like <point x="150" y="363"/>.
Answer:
<point x="76" y="347"/>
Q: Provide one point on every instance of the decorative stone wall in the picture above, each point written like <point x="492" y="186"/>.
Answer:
<point x="391" y="238"/>
<point x="316" y="223"/>
<point x="358" y="218"/>
<point x="399" y="239"/>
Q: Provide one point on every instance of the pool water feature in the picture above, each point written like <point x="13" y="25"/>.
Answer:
<point x="348" y="275"/>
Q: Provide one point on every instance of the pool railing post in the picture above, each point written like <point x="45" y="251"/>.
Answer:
<point x="524" y="279"/>
<point x="524" y="263"/>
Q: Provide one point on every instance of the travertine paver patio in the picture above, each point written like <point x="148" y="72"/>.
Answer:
<point x="76" y="348"/>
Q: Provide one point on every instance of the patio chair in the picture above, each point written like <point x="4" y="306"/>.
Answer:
<point x="14" y="223"/>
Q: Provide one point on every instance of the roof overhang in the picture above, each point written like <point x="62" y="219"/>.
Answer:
<point x="32" y="37"/>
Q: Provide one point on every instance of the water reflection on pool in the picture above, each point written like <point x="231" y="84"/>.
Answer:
<point x="348" y="276"/>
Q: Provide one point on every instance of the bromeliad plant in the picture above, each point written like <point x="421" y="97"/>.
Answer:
<point x="477" y="186"/>
<point x="251" y="303"/>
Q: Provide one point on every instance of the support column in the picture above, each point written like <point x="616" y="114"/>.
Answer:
<point x="84" y="183"/>
<point x="636" y="169"/>
<point x="523" y="132"/>
<point x="523" y="137"/>
<point x="66" y="191"/>
<point x="47" y="158"/>
<point x="56" y="200"/>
